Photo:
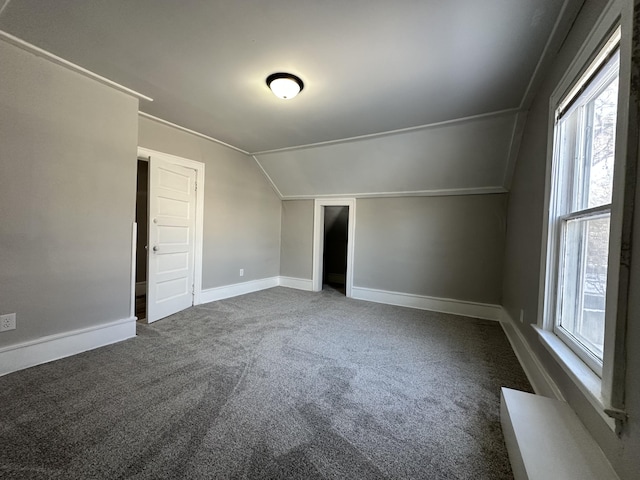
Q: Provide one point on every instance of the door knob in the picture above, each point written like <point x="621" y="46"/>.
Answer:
<point x="155" y="248"/>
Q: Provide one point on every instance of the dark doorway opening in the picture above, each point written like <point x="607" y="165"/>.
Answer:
<point x="142" y="221"/>
<point x="336" y="236"/>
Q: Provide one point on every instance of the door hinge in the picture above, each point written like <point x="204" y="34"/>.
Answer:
<point x="196" y="186"/>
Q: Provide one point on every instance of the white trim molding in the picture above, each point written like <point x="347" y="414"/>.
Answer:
<point x="61" y="345"/>
<point x="464" y="308"/>
<point x="188" y="130"/>
<point x="228" y="291"/>
<point x="455" y="121"/>
<point x="447" y="192"/>
<point x="297" y="283"/>
<point x="39" y="52"/>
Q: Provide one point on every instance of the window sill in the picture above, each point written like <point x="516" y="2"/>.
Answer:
<point x="580" y="374"/>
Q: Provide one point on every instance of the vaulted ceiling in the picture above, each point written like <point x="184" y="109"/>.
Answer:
<point x="404" y="96"/>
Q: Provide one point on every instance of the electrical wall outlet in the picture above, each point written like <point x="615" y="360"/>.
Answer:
<point x="7" y="322"/>
<point x="242" y="272"/>
<point x="521" y="315"/>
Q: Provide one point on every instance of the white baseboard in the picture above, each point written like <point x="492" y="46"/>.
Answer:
<point x="53" y="347"/>
<point x="539" y="378"/>
<point x="485" y="311"/>
<point x="297" y="283"/>
<point x="228" y="291"/>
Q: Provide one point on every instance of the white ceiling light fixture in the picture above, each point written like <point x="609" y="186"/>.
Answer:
<point x="285" y="85"/>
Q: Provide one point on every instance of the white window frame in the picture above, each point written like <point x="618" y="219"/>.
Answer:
<point x="561" y="210"/>
<point x="604" y="389"/>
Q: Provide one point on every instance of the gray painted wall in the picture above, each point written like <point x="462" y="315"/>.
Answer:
<point x="296" y="254"/>
<point x="427" y="159"/>
<point x="241" y="211"/>
<point x="447" y="247"/>
<point x="629" y="445"/>
<point x="522" y="261"/>
<point x="67" y="197"/>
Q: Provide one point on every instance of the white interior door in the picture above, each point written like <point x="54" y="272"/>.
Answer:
<point x="172" y="223"/>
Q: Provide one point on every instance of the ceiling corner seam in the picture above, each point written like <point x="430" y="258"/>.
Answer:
<point x="42" y="53"/>
<point x="192" y="132"/>
<point x="514" y="149"/>
<point x="400" y="131"/>
<point x="273" y="184"/>
<point x="552" y="40"/>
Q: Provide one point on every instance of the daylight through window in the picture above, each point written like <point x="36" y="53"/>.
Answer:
<point x="584" y="149"/>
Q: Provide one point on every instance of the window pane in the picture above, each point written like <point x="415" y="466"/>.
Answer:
<point x="587" y="142"/>
<point x="584" y="281"/>
<point x="599" y="163"/>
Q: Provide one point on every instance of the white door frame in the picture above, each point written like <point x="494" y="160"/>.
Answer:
<point x="318" y="239"/>
<point x="197" y="258"/>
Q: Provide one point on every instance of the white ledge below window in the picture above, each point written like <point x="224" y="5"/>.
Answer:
<point x="584" y="378"/>
<point x="546" y="440"/>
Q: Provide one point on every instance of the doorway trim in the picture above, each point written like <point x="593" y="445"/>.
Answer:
<point x="146" y="153"/>
<point x="318" y="239"/>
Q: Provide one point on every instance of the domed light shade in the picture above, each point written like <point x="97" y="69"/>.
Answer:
<point x="284" y="85"/>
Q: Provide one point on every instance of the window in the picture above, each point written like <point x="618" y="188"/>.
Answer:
<point x="588" y="230"/>
<point x="580" y="206"/>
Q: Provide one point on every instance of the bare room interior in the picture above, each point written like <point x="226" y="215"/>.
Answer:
<point x="319" y="239"/>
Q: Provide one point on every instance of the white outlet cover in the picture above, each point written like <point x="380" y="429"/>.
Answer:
<point x="7" y="322"/>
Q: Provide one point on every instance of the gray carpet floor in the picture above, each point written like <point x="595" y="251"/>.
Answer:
<point x="271" y="385"/>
